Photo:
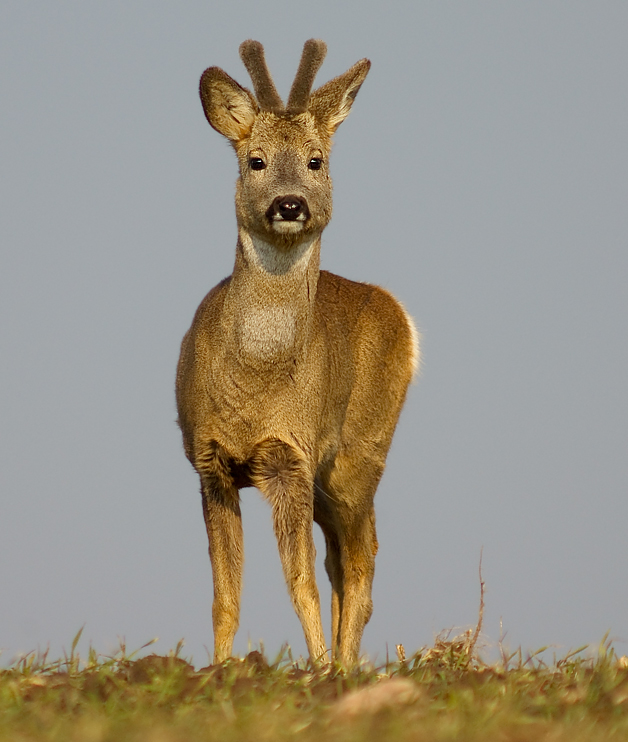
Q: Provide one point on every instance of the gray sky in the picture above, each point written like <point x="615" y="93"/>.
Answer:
<point x="482" y="177"/>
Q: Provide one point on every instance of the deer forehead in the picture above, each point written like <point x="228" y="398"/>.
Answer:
<point x="271" y="134"/>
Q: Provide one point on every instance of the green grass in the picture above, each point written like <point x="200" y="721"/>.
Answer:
<point x="440" y="693"/>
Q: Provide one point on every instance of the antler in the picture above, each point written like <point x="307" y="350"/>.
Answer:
<point x="314" y="51"/>
<point x="252" y="54"/>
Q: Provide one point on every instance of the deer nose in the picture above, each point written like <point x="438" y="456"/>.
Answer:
<point x="289" y="208"/>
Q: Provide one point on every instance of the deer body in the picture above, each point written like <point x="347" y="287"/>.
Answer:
<point x="291" y="379"/>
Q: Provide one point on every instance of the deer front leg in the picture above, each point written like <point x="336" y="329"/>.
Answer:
<point x="283" y="477"/>
<point x="223" y="520"/>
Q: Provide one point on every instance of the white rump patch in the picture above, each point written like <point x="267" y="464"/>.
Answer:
<point x="415" y="359"/>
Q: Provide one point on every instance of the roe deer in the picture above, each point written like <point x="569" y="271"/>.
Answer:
<point x="291" y="379"/>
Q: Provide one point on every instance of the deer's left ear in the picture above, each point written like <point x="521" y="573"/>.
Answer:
<point x="331" y="103"/>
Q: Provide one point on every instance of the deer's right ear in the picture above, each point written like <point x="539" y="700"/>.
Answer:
<point x="229" y="108"/>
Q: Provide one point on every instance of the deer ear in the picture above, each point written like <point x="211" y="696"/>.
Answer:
<point x="331" y="103"/>
<point x="229" y="108"/>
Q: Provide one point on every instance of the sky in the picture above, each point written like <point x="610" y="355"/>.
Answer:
<point x="481" y="177"/>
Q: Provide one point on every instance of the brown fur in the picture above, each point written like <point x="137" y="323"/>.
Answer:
<point x="291" y="379"/>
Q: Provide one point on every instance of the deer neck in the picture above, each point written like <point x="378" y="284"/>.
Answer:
<point x="269" y="304"/>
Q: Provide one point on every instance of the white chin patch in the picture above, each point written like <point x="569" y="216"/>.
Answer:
<point x="285" y="227"/>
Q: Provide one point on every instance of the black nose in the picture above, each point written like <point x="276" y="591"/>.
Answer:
<point x="289" y="208"/>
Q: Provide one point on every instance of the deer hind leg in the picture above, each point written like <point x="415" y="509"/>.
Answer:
<point x="333" y="568"/>
<point x="352" y="485"/>
<point x="358" y="550"/>
<point x="284" y="478"/>
<point x="324" y="515"/>
<point x="223" y="520"/>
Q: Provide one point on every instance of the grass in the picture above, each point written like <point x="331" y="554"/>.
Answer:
<point x="445" y="692"/>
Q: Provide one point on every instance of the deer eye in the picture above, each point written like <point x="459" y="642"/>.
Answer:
<point x="256" y="163"/>
<point x="315" y="163"/>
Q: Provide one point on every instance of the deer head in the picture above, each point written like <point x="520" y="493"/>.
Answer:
<point x="284" y="192"/>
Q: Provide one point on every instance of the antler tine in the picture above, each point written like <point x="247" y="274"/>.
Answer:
<point x="252" y="54"/>
<point x="314" y="51"/>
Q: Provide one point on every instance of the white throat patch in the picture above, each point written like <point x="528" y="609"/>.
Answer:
<point x="273" y="261"/>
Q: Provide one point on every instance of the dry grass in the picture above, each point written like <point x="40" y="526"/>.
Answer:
<point x="443" y="692"/>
